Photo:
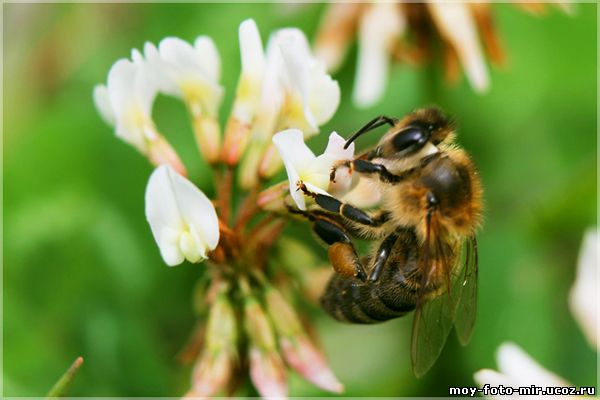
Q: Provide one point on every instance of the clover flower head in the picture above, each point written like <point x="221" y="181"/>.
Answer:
<point x="251" y="330"/>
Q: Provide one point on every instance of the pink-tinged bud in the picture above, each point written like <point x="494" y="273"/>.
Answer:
<point x="272" y="199"/>
<point x="160" y="152"/>
<point x="213" y="369"/>
<point x="208" y="137"/>
<point x="304" y="357"/>
<point x="282" y="314"/>
<point x="221" y="330"/>
<point x="237" y="135"/>
<point x="248" y="177"/>
<point x="258" y="326"/>
<point x="268" y="374"/>
<point x="271" y="162"/>
<point x="211" y="373"/>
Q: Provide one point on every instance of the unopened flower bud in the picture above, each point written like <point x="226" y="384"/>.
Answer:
<point x="160" y="152"/>
<point x="237" y="135"/>
<point x="283" y="316"/>
<point x="266" y="367"/>
<point x="272" y="198"/>
<point x="248" y="177"/>
<point x="258" y="326"/>
<point x="271" y="162"/>
<point x="297" y="348"/>
<point x="214" y="367"/>
<point x="308" y="361"/>
<point x="211" y="373"/>
<point x="208" y="137"/>
<point x="267" y="372"/>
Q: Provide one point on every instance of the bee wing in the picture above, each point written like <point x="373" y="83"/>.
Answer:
<point x="431" y="325"/>
<point x="467" y="305"/>
<point x="435" y="317"/>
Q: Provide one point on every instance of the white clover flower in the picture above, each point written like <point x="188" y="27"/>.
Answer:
<point x="183" y="220"/>
<point x="297" y="92"/>
<point x="517" y="369"/>
<point x="583" y="298"/>
<point x="248" y="93"/>
<point x="379" y="28"/>
<point x="311" y="96"/>
<point x="302" y="166"/>
<point x="191" y="73"/>
<point x="125" y="102"/>
<point x="253" y="69"/>
<point x="456" y="23"/>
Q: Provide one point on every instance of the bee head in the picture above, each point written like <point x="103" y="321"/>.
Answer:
<point x="415" y="131"/>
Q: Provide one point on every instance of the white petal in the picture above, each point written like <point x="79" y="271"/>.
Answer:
<point x="457" y="25"/>
<point x="323" y="95"/>
<point x="379" y="28"/>
<point x="293" y="150"/>
<point x="196" y="210"/>
<point x="296" y="156"/>
<point x="335" y="147"/>
<point x="169" y="247"/>
<point x="120" y="85"/>
<point x="583" y="298"/>
<point x="523" y="370"/>
<point x="103" y="105"/>
<point x="162" y="213"/>
<point x="208" y="57"/>
<point x="183" y="220"/>
<point x="252" y="54"/>
<point x="160" y="72"/>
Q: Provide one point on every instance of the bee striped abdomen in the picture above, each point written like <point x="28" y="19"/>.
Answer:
<point x="394" y="294"/>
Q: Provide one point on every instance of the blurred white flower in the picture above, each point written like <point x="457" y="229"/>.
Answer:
<point x="302" y="166"/>
<point x="183" y="220"/>
<point x="516" y="369"/>
<point x="409" y="32"/>
<point x="191" y="73"/>
<point x="457" y="25"/>
<point x="125" y="102"/>
<point x="379" y="29"/>
<point x="583" y="298"/>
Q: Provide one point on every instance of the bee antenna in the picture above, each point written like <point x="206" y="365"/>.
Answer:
<point x="369" y="126"/>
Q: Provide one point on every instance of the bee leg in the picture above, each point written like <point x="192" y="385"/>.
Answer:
<point x="341" y="251"/>
<point x="352" y="213"/>
<point x="382" y="256"/>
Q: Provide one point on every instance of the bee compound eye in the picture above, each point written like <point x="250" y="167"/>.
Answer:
<point x="411" y="138"/>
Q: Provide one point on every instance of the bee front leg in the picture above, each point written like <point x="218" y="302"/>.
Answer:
<point x="352" y="213"/>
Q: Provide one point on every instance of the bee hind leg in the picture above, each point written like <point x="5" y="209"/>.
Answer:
<point x="341" y="252"/>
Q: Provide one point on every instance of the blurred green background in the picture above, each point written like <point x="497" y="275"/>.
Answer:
<point x="83" y="276"/>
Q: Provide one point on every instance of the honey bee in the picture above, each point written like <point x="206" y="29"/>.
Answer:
<point x="424" y="256"/>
